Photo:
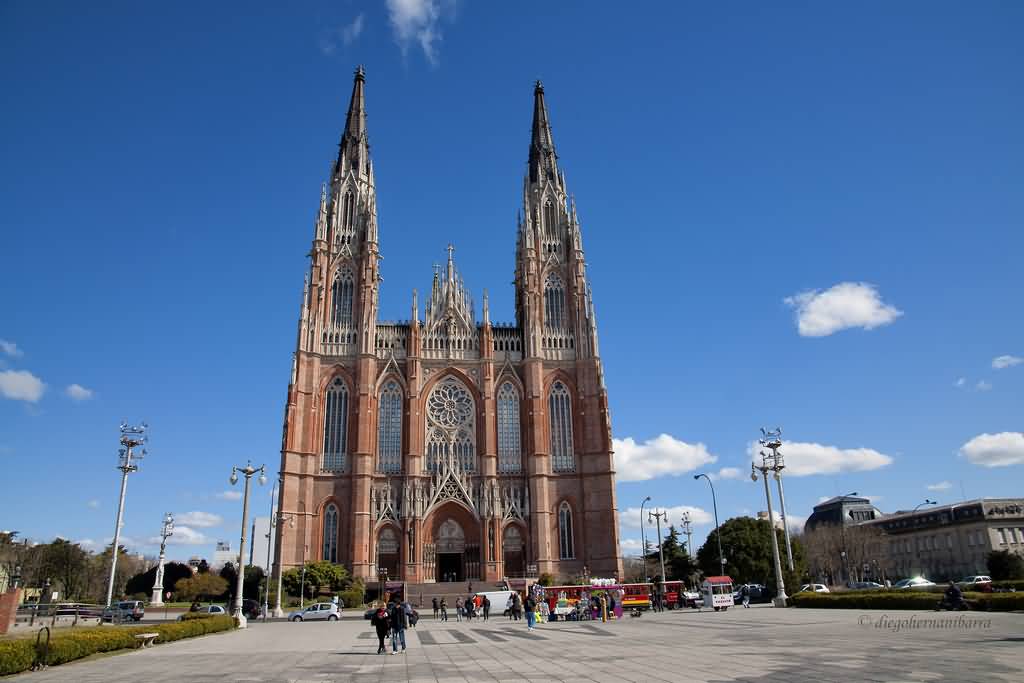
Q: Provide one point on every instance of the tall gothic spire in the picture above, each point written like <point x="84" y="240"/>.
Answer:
<point x="354" y="147"/>
<point x="542" y="145"/>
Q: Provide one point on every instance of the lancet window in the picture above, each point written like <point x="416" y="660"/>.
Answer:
<point x="330" y="549"/>
<point x="389" y="429"/>
<point x="342" y="290"/>
<point x="335" y="423"/>
<point x="554" y="304"/>
<point x="560" y="417"/>
<point x="509" y="449"/>
<point x="566" y="548"/>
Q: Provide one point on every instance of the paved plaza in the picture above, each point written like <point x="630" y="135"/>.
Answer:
<point x="758" y="644"/>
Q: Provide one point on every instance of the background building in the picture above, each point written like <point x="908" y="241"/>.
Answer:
<point x="223" y="555"/>
<point x="259" y="553"/>
<point x="443" y="447"/>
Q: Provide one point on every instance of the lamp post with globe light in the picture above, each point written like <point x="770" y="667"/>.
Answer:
<point x="166" y="531"/>
<point x="248" y="471"/>
<point x="718" y="535"/>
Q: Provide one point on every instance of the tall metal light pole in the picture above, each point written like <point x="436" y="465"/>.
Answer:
<point x="270" y="536"/>
<point x="166" y="531"/>
<point x="688" y="530"/>
<point x="278" y="523"/>
<point x="842" y="535"/>
<point x="643" y="536"/>
<point x="773" y="440"/>
<point x="248" y="471"/>
<point x="765" y="468"/>
<point x="718" y="535"/>
<point x="131" y="438"/>
<point x="658" y="516"/>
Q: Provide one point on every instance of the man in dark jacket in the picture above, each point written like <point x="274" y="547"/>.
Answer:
<point x="530" y="605"/>
<point x="399" y="622"/>
<point x="382" y="622"/>
<point x="435" y="608"/>
<point x="486" y="607"/>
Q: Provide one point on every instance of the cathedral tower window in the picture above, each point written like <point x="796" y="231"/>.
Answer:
<point x="560" y="416"/>
<point x="335" y="423"/>
<point x="330" y="549"/>
<point x="550" y="222"/>
<point x="566" y="548"/>
<point x="389" y="429"/>
<point x="451" y="427"/>
<point x="554" y="304"/>
<point x="342" y="291"/>
<point x="348" y="215"/>
<point x="509" y="451"/>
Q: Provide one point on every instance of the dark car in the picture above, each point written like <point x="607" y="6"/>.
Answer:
<point x="757" y="592"/>
<point x="251" y="609"/>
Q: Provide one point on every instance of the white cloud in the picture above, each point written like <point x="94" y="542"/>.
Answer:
<point x="347" y="33"/>
<point x="229" y="495"/>
<point x="657" y="457"/>
<point x="846" y="305"/>
<point x="941" y="486"/>
<point x="729" y="473"/>
<point x="78" y="392"/>
<point x="630" y="517"/>
<point x="94" y="504"/>
<point x="982" y="385"/>
<point x="796" y="523"/>
<point x="10" y="348"/>
<point x="197" y="518"/>
<point x="184" y="535"/>
<point x="995" y="450"/>
<point x="89" y="544"/>
<point x="960" y="382"/>
<point x="803" y="459"/>
<point x="631" y="545"/>
<point x="350" y="32"/>
<point x="416" y="21"/>
<point x="1000" y="362"/>
<point x="21" y="385"/>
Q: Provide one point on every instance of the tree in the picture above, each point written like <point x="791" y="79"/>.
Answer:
<point x="679" y="566"/>
<point x="319" y="575"/>
<point x="200" y="586"/>
<point x="1004" y="565"/>
<point x="747" y="548"/>
<point x="67" y="565"/>
<point x="143" y="582"/>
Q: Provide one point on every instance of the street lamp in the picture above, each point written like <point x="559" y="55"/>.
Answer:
<point x="926" y="502"/>
<point x="688" y="530"/>
<point x="658" y="516"/>
<point x="248" y="471"/>
<point x="718" y="536"/>
<point x="131" y="438"/>
<point x="382" y="580"/>
<point x="643" y="536"/>
<point x="278" y="522"/>
<point x="166" y="531"/>
<point x="780" y="596"/>
<point x="773" y="440"/>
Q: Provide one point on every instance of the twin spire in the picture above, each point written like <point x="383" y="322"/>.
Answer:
<point x="542" y="159"/>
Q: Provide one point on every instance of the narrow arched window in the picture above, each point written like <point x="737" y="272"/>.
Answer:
<point x="560" y="419"/>
<point x="330" y="550"/>
<point x="335" y="422"/>
<point x="389" y="428"/>
<point x="550" y="221"/>
<point x="566" y="547"/>
<point x="554" y="304"/>
<point x="342" y="290"/>
<point x="348" y="212"/>
<point x="509" y="451"/>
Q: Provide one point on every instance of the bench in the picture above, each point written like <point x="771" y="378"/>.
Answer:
<point x="146" y="639"/>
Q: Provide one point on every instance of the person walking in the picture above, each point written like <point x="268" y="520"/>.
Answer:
<point x="529" y="605"/>
<point x="487" y="607"/>
<point x="458" y="609"/>
<point x="444" y="610"/>
<point x="399" y="622"/>
<point x="517" y="606"/>
<point x="382" y="622"/>
<point x="468" y="604"/>
<point x="436" y="606"/>
<point x="508" y="607"/>
<point x="745" y="594"/>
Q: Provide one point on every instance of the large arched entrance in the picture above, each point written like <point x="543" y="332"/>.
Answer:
<point x="512" y="550"/>
<point x="450" y="547"/>
<point x="453" y="550"/>
<point x="387" y="552"/>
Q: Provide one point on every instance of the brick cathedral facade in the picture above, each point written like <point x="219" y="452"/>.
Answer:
<point x="447" y="447"/>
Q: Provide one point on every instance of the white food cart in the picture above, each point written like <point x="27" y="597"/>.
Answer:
<point x="717" y="592"/>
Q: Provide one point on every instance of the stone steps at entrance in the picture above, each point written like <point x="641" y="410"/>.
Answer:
<point x="421" y="594"/>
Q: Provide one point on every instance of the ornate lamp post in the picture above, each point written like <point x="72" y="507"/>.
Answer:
<point x="643" y="536"/>
<point x="166" y="531"/>
<point x="131" y="438"/>
<point x="688" y="530"/>
<point x="718" y="536"/>
<point x="773" y="440"/>
<point x="658" y="516"/>
<point x="278" y="522"/>
<point x="780" y="596"/>
<point x="248" y="471"/>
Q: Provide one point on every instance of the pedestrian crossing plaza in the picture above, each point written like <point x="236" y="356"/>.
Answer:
<point x="758" y="644"/>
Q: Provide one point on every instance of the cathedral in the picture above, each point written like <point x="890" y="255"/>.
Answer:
<point x="447" y="447"/>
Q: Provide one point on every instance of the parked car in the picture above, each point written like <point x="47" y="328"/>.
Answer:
<point x="916" y="582"/>
<point x="251" y="608"/>
<point x="322" y="611"/>
<point x="979" y="583"/>
<point x="865" y="585"/>
<point x="126" y="610"/>
<point x="693" y="599"/>
<point x="206" y="609"/>
<point x="756" y="591"/>
<point x="814" y="588"/>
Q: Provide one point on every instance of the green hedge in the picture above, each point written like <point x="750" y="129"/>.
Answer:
<point x="1016" y="585"/>
<point x="16" y="655"/>
<point x="905" y="599"/>
<point x="76" y="643"/>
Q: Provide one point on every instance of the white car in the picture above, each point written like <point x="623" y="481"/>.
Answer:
<point x="972" y="580"/>
<point x="208" y="609"/>
<point x="916" y="582"/>
<point x="814" y="588"/>
<point x="323" y="611"/>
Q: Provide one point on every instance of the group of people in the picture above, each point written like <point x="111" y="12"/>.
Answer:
<point x="472" y="606"/>
<point x="393" y="618"/>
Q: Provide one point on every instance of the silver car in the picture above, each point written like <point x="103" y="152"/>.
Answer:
<point x="324" y="611"/>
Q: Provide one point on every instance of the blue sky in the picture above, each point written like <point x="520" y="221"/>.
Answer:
<point x="806" y="215"/>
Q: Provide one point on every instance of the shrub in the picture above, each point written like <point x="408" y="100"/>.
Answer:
<point x="904" y="599"/>
<point x="1015" y="585"/>
<point x="353" y="597"/>
<point x="16" y="655"/>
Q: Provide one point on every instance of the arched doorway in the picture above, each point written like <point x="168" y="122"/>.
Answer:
<point x="512" y="550"/>
<point x="387" y="552"/>
<point x="450" y="547"/>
